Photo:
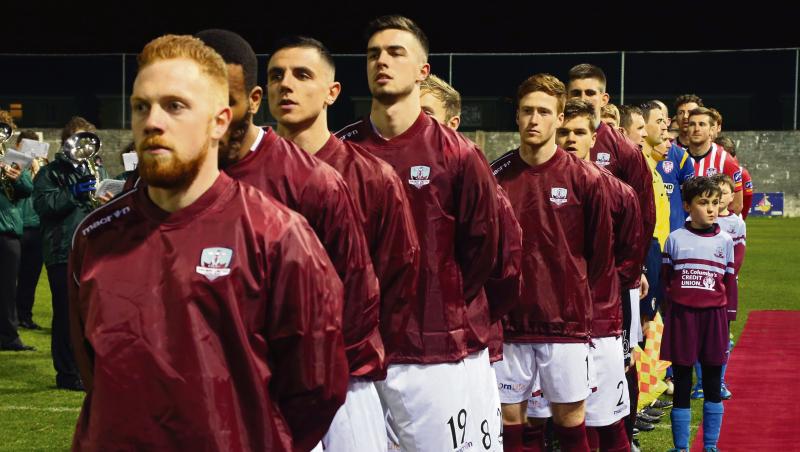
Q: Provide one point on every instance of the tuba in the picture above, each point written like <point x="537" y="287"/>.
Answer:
<point x="83" y="148"/>
<point x="5" y="134"/>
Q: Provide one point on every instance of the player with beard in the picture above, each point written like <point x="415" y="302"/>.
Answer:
<point x="708" y="157"/>
<point x="453" y="198"/>
<point x="309" y="186"/>
<point x="684" y="104"/>
<point x="301" y="87"/>
<point x="228" y="335"/>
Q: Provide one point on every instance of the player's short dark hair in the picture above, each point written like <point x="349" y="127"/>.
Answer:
<point x="728" y="143"/>
<point x="626" y="113"/>
<point x="699" y="186"/>
<point x="660" y="104"/>
<point x="587" y="70"/>
<point x="75" y="124"/>
<point x="233" y="49"/>
<point x="27" y="134"/>
<point x="576" y="107"/>
<point x="292" y="42"/>
<point x="722" y="178"/>
<point x="547" y="84"/>
<point x="398" y="22"/>
<point x="647" y="107"/>
<point x="687" y="99"/>
<point x="704" y="111"/>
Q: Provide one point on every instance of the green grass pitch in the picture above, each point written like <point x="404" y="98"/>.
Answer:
<point x="34" y="415"/>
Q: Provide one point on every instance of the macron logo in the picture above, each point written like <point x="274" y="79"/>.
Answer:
<point x="511" y="387"/>
<point x="502" y="167"/>
<point x="105" y="220"/>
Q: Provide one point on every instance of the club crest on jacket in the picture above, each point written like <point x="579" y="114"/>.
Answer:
<point x="420" y="176"/>
<point x="214" y="262"/>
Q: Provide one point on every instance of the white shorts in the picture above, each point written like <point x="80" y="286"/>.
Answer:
<point x="358" y="425"/>
<point x="428" y="406"/>
<point x="538" y="406"/>
<point x="563" y="369"/>
<point x="487" y="420"/>
<point x="610" y="402"/>
<point x="637" y="335"/>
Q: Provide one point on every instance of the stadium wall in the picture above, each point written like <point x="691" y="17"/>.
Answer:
<point x="772" y="157"/>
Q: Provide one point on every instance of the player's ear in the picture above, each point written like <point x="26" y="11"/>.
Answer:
<point x="560" y="119"/>
<point x="594" y="138"/>
<point x="256" y="96"/>
<point x="424" y="71"/>
<point x="604" y="99"/>
<point x="454" y="122"/>
<point x="220" y="122"/>
<point x="334" y="89"/>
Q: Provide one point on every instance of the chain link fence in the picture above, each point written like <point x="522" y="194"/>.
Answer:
<point x="754" y="89"/>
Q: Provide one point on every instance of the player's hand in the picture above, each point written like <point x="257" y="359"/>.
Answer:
<point x="105" y="197"/>
<point x="12" y="172"/>
<point x="644" y="288"/>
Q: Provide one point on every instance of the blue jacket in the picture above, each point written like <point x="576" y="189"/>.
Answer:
<point x="676" y="169"/>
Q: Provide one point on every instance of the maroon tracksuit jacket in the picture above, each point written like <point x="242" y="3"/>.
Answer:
<point x="625" y="161"/>
<point x="563" y="208"/>
<point x="453" y="198"/>
<point x="311" y="187"/>
<point x="502" y="288"/>
<point x="606" y="291"/>
<point x="388" y="224"/>
<point x="216" y="327"/>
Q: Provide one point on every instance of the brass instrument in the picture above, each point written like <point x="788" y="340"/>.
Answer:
<point x="5" y="134"/>
<point x="83" y="148"/>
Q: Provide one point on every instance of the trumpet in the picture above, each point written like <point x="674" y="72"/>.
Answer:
<point x="5" y="134"/>
<point x="83" y="148"/>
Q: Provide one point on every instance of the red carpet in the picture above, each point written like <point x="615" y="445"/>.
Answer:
<point x="764" y="412"/>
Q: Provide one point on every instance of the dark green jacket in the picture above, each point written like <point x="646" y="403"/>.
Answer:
<point x="59" y="211"/>
<point x="10" y="215"/>
<point x="29" y="217"/>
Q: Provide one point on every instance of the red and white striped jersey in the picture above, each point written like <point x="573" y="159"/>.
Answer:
<point x="718" y="160"/>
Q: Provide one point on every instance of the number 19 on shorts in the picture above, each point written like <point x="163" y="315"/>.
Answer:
<point x="458" y="429"/>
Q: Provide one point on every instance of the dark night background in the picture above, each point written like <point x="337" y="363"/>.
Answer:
<point x="754" y="90"/>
